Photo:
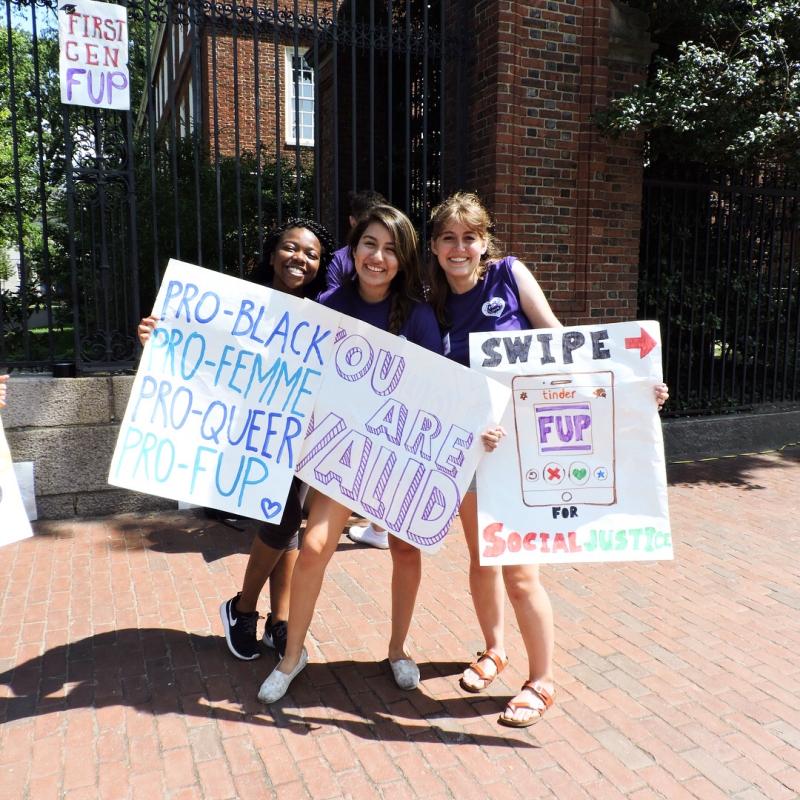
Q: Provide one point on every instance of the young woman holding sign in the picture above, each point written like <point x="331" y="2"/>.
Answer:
<point x="296" y="255"/>
<point x="386" y="292"/>
<point x="475" y="290"/>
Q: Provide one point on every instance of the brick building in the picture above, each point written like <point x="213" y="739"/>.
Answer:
<point x="497" y="97"/>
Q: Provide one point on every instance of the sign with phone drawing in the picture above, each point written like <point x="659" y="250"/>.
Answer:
<point x="584" y="447"/>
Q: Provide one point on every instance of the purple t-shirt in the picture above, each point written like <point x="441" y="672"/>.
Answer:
<point x="340" y="269"/>
<point x="491" y="305"/>
<point x="420" y="328"/>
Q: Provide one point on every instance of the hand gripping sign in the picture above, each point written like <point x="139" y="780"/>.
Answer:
<point x="223" y="394"/>
<point x="581" y="475"/>
<point x="396" y="432"/>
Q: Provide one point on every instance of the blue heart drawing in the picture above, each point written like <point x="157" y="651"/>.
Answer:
<point x="269" y="508"/>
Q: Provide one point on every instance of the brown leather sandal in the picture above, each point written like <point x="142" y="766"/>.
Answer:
<point x="541" y="693"/>
<point x="483" y="676"/>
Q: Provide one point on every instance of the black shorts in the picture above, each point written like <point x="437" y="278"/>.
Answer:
<point x="285" y="535"/>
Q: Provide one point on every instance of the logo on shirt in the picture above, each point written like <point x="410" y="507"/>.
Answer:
<point x="493" y="307"/>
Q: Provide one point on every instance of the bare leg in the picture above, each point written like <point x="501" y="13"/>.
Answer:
<point x="326" y="521"/>
<point x="280" y="584"/>
<point x="406" y="576"/>
<point x="486" y="588"/>
<point x="260" y="565"/>
<point x="534" y="614"/>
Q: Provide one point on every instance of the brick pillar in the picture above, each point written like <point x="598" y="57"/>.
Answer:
<point x="566" y="200"/>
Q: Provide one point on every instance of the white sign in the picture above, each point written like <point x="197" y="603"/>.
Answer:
<point x="14" y="519"/>
<point x="93" y="54"/>
<point x="396" y="432"/>
<point x="581" y="474"/>
<point x="223" y="394"/>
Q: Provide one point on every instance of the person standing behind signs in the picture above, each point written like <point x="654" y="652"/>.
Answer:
<point x="296" y="255"/>
<point x="472" y="289"/>
<point x="341" y="268"/>
<point x="386" y="291"/>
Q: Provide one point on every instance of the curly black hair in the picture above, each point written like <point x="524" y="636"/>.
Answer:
<point x="264" y="272"/>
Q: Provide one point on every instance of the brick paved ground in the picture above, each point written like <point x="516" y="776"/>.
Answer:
<point x="677" y="679"/>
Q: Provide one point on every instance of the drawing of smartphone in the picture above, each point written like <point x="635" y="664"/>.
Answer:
<point x="565" y="438"/>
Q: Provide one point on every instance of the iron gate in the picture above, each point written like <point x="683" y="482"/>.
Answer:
<point x="242" y="114"/>
<point x="720" y="270"/>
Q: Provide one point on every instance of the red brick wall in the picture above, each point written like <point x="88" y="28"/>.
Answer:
<point x="566" y="200"/>
<point x="240" y="88"/>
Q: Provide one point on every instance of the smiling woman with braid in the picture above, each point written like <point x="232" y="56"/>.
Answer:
<point x="386" y="291"/>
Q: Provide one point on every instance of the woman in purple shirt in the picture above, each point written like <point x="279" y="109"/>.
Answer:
<point x="385" y="291"/>
<point x="473" y="290"/>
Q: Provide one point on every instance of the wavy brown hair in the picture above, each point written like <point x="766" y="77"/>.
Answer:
<point x="466" y="208"/>
<point x="406" y="287"/>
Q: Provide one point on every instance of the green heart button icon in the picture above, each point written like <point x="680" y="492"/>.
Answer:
<point x="579" y="473"/>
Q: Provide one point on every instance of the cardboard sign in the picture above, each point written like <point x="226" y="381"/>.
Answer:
<point x="396" y="432"/>
<point x="14" y="524"/>
<point x="581" y="475"/>
<point x="224" y="393"/>
<point x="93" y="54"/>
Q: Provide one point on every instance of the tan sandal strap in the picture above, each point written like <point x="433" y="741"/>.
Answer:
<point x="540" y="692"/>
<point x="499" y="663"/>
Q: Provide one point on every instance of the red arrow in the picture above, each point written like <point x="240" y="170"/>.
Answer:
<point x="645" y="343"/>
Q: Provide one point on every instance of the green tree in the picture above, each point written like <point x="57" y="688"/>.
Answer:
<point x="724" y="84"/>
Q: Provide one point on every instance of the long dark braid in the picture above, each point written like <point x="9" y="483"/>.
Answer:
<point x="264" y="272"/>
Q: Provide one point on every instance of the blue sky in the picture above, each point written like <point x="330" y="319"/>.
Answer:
<point x="21" y="18"/>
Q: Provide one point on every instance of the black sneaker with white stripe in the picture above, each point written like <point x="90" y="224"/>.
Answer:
<point x="240" y="630"/>
<point x="275" y="635"/>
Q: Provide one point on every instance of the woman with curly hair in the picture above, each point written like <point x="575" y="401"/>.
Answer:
<point x="296" y="256"/>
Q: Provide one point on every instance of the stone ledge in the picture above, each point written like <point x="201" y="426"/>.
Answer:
<point x="45" y="402"/>
<point x="730" y="434"/>
<point x="100" y="503"/>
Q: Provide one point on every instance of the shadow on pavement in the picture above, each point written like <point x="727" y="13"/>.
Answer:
<point x="166" y="671"/>
<point x="730" y="470"/>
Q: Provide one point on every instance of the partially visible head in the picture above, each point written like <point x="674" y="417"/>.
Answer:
<point x="359" y="203"/>
<point x="296" y="258"/>
<point x="386" y="226"/>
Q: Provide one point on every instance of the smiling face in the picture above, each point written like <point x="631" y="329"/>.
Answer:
<point x="376" y="262"/>
<point x="295" y="260"/>
<point x="459" y="249"/>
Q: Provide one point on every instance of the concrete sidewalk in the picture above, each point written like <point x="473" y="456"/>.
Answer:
<point x="676" y="679"/>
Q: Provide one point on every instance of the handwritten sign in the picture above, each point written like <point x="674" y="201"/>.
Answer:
<point x="396" y="432"/>
<point x="15" y="525"/>
<point x="93" y="54"/>
<point x="223" y="394"/>
<point x="581" y="475"/>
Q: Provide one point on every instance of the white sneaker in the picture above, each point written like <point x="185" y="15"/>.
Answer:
<point x="370" y="536"/>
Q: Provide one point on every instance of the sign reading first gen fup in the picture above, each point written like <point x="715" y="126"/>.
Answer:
<point x="93" y="54"/>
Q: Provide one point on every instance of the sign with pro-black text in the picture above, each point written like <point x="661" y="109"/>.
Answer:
<point x="396" y="432"/>
<point x="93" y="54"/>
<point x="223" y="394"/>
<point x="581" y="474"/>
<point x="14" y="523"/>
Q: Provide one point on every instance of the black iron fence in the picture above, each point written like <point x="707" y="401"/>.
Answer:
<point x="720" y="269"/>
<point x="242" y="114"/>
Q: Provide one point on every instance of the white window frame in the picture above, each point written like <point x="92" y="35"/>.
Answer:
<point x="288" y="96"/>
